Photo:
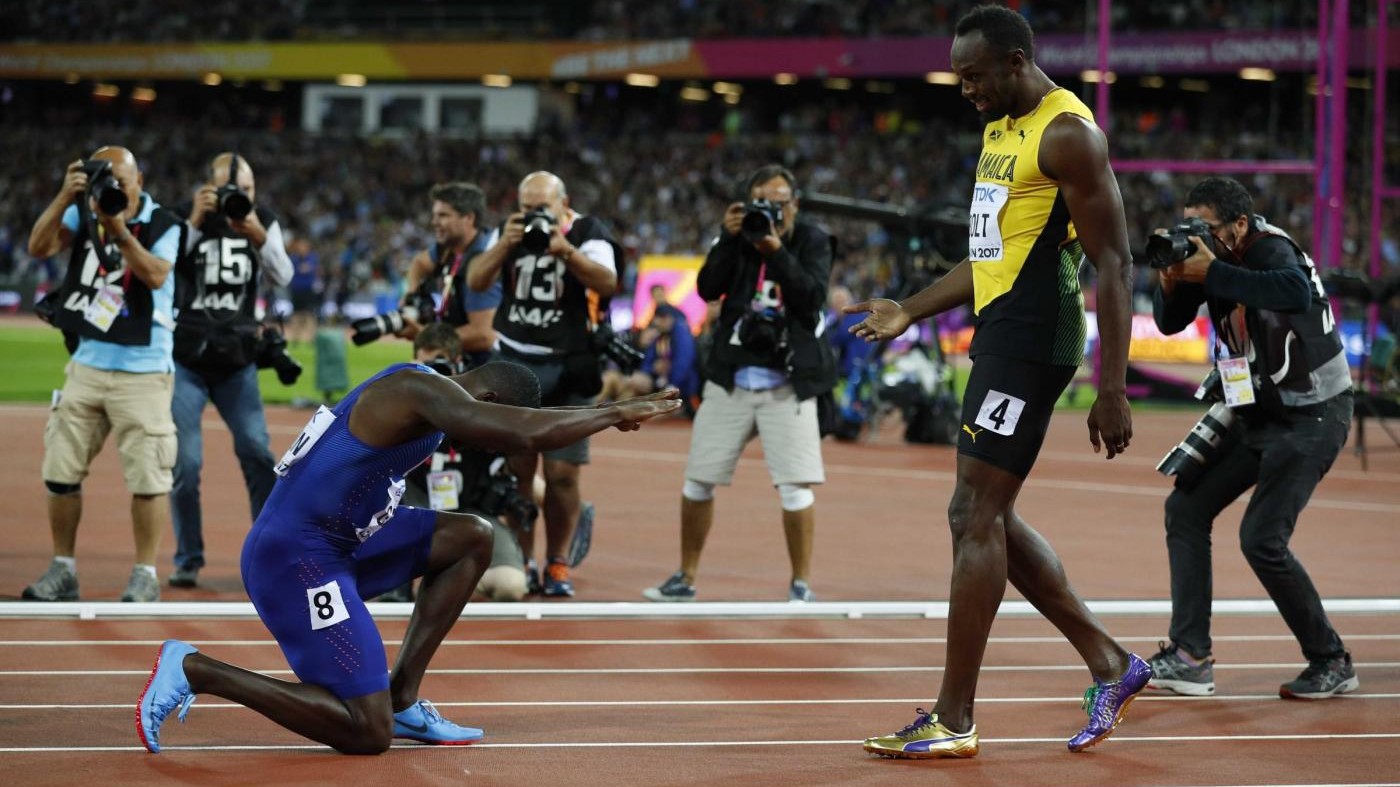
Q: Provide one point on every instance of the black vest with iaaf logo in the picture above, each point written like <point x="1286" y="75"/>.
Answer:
<point x="541" y="302"/>
<point x="216" y="290"/>
<point x="86" y="274"/>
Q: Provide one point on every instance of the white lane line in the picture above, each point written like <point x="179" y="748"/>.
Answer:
<point x="127" y="706"/>
<point x="702" y="670"/>
<point x="1118" y="739"/>
<point x="588" y="643"/>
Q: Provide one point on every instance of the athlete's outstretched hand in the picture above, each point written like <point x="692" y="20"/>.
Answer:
<point x="1111" y="418"/>
<point x="886" y="320"/>
<point x="643" y="408"/>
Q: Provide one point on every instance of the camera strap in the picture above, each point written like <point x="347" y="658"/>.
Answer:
<point x="447" y="285"/>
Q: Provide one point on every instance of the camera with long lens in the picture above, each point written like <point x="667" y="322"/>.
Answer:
<point x="444" y="366"/>
<point x="1190" y="458"/>
<point x="761" y="217"/>
<point x="270" y="352"/>
<point x="763" y="331"/>
<point x="102" y="187"/>
<point x="1166" y="250"/>
<point x="419" y="309"/>
<point x="539" y="225"/>
<point x="606" y="342"/>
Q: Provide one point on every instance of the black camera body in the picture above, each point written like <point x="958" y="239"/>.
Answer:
<point x="233" y="202"/>
<point x="607" y="343"/>
<point x="764" y="331"/>
<point x="761" y="217"/>
<point x="270" y="352"/>
<point x="1190" y="459"/>
<point x="539" y="225"/>
<point x="102" y="187"/>
<point x="1164" y="251"/>
<point x="420" y="308"/>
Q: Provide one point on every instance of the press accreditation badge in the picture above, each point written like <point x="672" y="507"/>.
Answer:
<point x="443" y="488"/>
<point x="1234" y="376"/>
<point x="984" y="221"/>
<point x="104" y="307"/>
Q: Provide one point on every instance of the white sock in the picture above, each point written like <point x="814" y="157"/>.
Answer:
<point x="70" y="562"/>
<point x="148" y="569"/>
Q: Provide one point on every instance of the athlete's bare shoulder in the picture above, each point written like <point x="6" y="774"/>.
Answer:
<point x="1072" y="144"/>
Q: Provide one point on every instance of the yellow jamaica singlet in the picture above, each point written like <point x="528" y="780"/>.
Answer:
<point x="1024" y="253"/>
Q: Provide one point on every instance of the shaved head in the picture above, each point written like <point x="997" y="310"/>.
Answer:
<point x="544" y="190"/>
<point x="218" y="173"/>
<point x="127" y="174"/>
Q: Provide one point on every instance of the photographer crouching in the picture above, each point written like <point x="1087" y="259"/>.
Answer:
<point x="765" y="373"/>
<point x="115" y="309"/>
<point x="219" y="344"/>
<point x="1287" y="388"/>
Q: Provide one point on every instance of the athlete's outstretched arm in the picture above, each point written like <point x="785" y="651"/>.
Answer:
<point x="889" y="319"/>
<point x="512" y="430"/>
<point x="1074" y="153"/>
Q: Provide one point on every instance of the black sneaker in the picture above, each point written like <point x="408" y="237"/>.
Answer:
<point x="532" y="578"/>
<point x="1322" y="679"/>
<point x="673" y="589"/>
<point x="1173" y="673"/>
<point x="184" y="577"/>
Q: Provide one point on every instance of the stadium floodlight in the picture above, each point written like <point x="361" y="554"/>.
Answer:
<point x="351" y="80"/>
<point x="941" y="78"/>
<point x="643" y="80"/>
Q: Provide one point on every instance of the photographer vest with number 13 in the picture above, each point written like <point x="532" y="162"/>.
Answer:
<point x="1024" y="251"/>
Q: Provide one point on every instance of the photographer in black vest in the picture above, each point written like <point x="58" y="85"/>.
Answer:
<point x="233" y="243"/>
<point x="1288" y="390"/>
<point x="765" y="373"/>
<point x="551" y="262"/>
<point x="458" y="210"/>
<point x="116" y="304"/>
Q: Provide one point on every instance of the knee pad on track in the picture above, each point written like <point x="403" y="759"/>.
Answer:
<point x="56" y="488"/>
<point x="796" y="497"/>
<point x="698" y="491"/>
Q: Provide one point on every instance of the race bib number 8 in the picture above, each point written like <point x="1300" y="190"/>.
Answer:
<point x="326" y="606"/>
<point x="1000" y="412"/>
<point x="983" y="227"/>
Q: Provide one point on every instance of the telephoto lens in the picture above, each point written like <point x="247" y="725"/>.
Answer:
<point x="1190" y="457"/>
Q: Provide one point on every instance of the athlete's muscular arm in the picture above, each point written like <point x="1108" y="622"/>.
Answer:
<point x="407" y="405"/>
<point x="1074" y="153"/>
<point x="889" y="319"/>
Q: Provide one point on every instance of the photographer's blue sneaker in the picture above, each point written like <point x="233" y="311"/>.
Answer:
<point x="166" y="690"/>
<point x="421" y="722"/>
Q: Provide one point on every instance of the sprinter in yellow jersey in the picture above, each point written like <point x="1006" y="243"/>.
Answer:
<point x="1044" y="199"/>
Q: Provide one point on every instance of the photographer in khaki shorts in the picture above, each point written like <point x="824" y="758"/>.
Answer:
<point x="766" y="370"/>
<point x="115" y="308"/>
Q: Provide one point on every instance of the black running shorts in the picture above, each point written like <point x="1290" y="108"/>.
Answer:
<point x="1006" y="410"/>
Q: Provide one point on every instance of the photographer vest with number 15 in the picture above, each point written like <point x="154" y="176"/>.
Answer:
<point x="1024" y="252"/>
<point x="216" y="287"/>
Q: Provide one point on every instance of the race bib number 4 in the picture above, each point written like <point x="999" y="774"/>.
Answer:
<point x="326" y="605"/>
<point x="1000" y="412"/>
<point x="983" y="222"/>
<point x="320" y="421"/>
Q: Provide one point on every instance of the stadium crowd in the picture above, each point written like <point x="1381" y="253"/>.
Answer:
<point x="278" y="20"/>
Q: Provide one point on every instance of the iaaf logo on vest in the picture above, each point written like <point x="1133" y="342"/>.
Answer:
<point x="78" y="300"/>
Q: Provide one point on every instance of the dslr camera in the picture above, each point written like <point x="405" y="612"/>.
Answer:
<point x="1190" y="458"/>
<point x="763" y="331"/>
<point x="539" y="224"/>
<point x="761" y="216"/>
<point x="607" y="343"/>
<point x="233" y="202"/>
<point x="1164" y="251"/>
<point x="102" y="187"/>
<point x="270" y="352"/>
<point x="420" y="308"/>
